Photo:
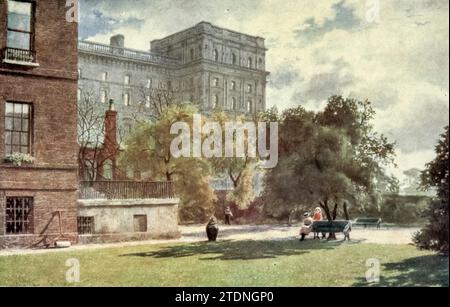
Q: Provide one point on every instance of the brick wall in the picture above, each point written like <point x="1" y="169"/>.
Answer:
<point x="51" y="89"/>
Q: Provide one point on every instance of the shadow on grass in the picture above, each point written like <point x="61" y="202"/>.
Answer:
<point x="424" y="271"/>
<point x="237" y="250"/>
<point x="226" y="232"/>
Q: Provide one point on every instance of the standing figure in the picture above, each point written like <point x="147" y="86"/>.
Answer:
<point x="228" y="216"/>
<point x="212" y="229"/>
<point x="307" y="225"/>
<point x="318" y="216"/>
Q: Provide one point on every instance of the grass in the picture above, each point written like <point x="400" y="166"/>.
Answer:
<point x="231" y="263"/>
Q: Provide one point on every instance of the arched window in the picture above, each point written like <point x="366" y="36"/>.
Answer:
<point x="79" y="73"/>
<point x="216" y="55"/>
<point x="234" y="59"/>
<point x="216" y="82"/>
<point x="79" y="94"/>
<point x="249" y="62"/>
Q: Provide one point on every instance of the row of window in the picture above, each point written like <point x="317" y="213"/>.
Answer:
<point x="234" y="60"/>
<point x="234" y="104"/>
<point x="126" y="98"/>
<point x="216" y="83"/>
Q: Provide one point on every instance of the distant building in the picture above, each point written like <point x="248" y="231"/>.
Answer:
<point x="212" y="67"/>
<point x="38" y="88"/>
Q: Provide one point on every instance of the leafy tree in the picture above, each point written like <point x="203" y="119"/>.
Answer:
<point x="435" y="235"/>
<point x="148" y="150"/>
<point x="330" y="159"/>
<point x="240" y="170"/>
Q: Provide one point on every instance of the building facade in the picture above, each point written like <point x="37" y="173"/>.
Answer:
<point x="38" y="148"/>
<point x="212" y="67"/>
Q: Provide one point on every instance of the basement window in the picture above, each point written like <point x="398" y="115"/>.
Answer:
<point x="85" y="225"/>
<point x="19" y="215"/>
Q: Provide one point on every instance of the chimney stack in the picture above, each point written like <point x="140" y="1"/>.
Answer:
<point x="117" y="41"/>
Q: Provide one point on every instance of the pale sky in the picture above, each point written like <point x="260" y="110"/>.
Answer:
<point x="392" y="52"/>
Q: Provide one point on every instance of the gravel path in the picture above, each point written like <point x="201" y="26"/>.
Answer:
<point x="196" y="233"/>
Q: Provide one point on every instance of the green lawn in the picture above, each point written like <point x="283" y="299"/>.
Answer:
<point x="232" y="263"/>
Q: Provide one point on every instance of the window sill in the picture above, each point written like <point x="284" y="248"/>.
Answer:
<point x="21" y="63"/>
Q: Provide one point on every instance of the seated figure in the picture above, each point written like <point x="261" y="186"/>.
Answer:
<point x="307" y="225"/>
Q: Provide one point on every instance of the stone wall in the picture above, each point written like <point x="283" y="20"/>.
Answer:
<point x="114" y="220"/>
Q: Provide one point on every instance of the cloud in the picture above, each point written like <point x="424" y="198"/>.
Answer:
<point x="345" y="18"/>
<point x="318" y="48"/>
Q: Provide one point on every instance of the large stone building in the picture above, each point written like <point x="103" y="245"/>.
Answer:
<point x="206" y="65"/>
<point x="38" y="87"/>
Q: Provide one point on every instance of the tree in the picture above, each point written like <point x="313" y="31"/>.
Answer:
<point x="435" y="235"/>
<point x="329" y="159"/>
<point x="92" y="155"/>
<point x="148" y="150"/>
<point x="240" y="170"/>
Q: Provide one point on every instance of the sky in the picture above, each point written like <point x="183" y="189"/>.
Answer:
<point x="394" y="53"/>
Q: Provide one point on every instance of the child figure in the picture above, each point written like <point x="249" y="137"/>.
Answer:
<point x="318" y="216"/>
<point x="307" y="225"/>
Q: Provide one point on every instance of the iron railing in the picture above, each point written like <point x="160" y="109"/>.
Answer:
<point x="125" y="190"/>
<point x="19" y="55"/>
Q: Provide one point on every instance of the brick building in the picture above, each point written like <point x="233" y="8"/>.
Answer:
<point x="38" y="100"/>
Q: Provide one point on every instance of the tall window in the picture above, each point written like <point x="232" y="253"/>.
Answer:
<point x="192" y="54"/>
<point x="216" y="55"/>
<point x="79" y="94"/>
<point x="147" y="101"/>
<point x="19" y="215"/>
<point x="216" y="82"/>
<point x="249" y="88"/>
<point x="103" y="96"/>
<point x="17" y="128"/>
<point x="249" y="63"/>
<point x="233" y="59"/>
<point x="233" y="85"/>
<point x="126" y="80"/>
<point x="233" y="104"/>
<point x="215" y="101"/>
<point x="20" y="25"/>
<point x="104" y="76"/>
<point x="249" y="106"/>
<point x="149" y="83"/>
<point x="126" y="99"/>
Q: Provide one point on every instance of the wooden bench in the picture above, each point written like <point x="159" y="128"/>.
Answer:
<point x="368" y="221"/>
<point x="333" y="227"/>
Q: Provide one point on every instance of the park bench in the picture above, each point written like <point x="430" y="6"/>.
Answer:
<point x="333" y="227"/>
<point x="368" y="221"/>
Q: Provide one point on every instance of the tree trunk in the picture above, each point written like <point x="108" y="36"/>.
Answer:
<point x="347" y="216"/>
